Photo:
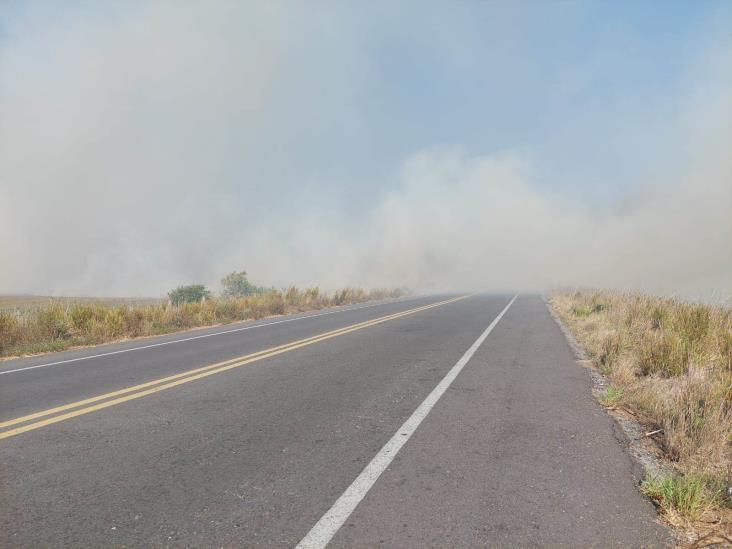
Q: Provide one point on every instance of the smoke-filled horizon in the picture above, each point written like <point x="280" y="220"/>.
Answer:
<point x="440" y="147"/>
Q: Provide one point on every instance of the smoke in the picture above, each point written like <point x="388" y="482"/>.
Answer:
<point x="144" y="146"/>
<point x="478" y="223"/>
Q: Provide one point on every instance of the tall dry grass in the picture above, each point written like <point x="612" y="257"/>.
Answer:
<point x="58" y="325"/>
<point x="669" y="363"/>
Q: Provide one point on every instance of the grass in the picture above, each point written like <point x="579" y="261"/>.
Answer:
<point x="693" y="496"/>
<point x="58" y="324"/>
<point x="670" y="363"/>
<point x="612" y="397"/>
<point x="13" y="302"/>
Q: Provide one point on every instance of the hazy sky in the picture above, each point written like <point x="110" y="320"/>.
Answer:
<point x="441" y="145"/>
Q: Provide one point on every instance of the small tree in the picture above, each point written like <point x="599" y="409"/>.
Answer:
<point x="188" y="294"/>
<point x="236" y="284"/>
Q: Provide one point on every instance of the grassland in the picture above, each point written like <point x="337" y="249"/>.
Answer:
<point x="669" y="363"/>
<point x="15" y="302"/>
<point x="30" y="325"/>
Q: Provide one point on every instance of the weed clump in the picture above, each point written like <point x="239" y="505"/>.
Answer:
<point x="692" y="496"/>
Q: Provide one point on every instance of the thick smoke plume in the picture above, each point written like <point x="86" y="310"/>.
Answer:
<point x="155" y="145"/>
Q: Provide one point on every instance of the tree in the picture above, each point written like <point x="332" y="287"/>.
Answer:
<point x="236" y="284"/>
<point x="188" y="294"/>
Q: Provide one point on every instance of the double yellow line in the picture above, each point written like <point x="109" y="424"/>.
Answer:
<point x="100" y="402"/>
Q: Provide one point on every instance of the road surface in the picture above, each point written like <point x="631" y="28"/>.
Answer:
<point x="432" y="421"/>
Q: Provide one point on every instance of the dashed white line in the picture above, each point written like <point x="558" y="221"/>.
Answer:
<point x="324" y="530"/>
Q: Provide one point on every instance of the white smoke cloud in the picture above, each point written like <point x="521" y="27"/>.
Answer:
<point x="478" y="223"/>
<point x="160" y="144"/>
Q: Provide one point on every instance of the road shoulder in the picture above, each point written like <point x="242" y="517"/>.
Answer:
<point x="517" y="453"/>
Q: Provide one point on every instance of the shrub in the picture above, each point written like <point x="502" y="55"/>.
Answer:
<point x="188" y="294"/>
<point x="236" y="284"/>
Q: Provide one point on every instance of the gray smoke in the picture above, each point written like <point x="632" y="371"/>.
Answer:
<point x="147" y="145"/>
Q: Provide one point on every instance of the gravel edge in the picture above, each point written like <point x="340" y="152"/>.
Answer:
<point x="637" y="441"/>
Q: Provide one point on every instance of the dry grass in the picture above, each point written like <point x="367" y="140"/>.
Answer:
<point x="13" y="302"/>
<point x="670" y="363"/>
<point x="59" y="324"/>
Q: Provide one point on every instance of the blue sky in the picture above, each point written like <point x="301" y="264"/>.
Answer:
<point x="572" y="84"/>
<point x="587" y="90"/>
<point x="267" y="121"/>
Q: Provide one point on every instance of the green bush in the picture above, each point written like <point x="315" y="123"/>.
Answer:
<point x="193" y="293"/>
<point x="236" y="284"/>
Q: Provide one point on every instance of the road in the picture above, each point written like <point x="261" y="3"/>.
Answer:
<point x="432" y="421"/>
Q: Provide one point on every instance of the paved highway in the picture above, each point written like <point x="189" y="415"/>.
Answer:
<point x="434" y="421"/>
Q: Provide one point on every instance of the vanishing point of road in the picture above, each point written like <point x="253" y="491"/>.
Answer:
<point x="451" y="421"/>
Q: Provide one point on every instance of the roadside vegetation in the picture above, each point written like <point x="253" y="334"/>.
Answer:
<point x="669" y="363"/>
<point x="59" y="324"/>
<point x="15" y="302"/>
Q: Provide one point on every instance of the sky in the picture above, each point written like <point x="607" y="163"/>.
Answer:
<point x="499" y="146"/>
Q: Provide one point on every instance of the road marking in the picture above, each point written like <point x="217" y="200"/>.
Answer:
<point x="162" y="384"/>
<point x="324" y="530"/>
<point x="187" y="373"/>
<point x="234" y="330"/>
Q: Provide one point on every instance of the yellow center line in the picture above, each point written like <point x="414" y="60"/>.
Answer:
<point x="193" y="371"/>
<point x="162" y="384"/>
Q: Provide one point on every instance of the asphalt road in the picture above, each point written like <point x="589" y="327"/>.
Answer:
<point x="432" y="421"/>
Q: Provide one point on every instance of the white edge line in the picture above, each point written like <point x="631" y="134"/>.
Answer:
<point x="251" y="327"/>
<point x="324" y="530"/>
